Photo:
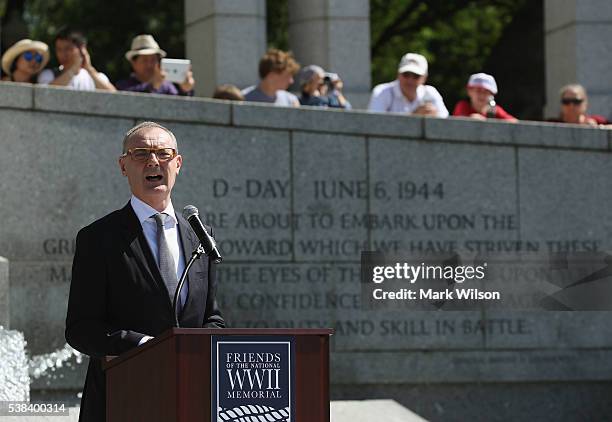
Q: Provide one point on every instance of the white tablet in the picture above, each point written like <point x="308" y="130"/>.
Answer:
<point x="175" y="69"/>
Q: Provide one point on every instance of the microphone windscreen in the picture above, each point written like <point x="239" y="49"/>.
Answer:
<point x="189" y="211"/>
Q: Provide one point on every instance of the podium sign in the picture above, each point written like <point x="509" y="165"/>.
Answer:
<point x="222" y="375"/>
<point x="252" y="378"/>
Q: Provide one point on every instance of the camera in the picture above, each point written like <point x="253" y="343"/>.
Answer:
<point x="329" y="80"/>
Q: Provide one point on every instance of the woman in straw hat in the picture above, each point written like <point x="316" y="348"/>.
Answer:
<point x="24" y="60"/>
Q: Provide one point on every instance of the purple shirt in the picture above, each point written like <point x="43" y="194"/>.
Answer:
<point x="134" y="85"/>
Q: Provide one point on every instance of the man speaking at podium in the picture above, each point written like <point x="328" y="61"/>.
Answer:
<point x="127" y="265"/>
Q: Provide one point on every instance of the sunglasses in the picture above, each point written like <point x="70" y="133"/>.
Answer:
<point x="143" y="154"/>
<point x="568" y="101"/>
<point x="29" y="56"/>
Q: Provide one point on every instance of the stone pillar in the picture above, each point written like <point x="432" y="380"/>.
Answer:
<point x="224" y="40"/>
<point x="4" y="292"/>
<point x="578" y="49"/>
<point x="335" y="34"/>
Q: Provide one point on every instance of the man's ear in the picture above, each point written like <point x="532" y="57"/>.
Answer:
<point x="179" y="163"/>
<point x="122" y="167"/>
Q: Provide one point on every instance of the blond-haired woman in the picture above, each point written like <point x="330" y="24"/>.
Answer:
<point x="574" y="104"/>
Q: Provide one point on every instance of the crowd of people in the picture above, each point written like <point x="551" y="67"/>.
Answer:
<point x="25" y="61"/>
<point x="409" y="93"/>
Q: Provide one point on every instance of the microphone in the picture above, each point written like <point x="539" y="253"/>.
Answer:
<point x="191" y="214"/>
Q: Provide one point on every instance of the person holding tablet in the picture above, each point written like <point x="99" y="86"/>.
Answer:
<point x="147" y="75"/>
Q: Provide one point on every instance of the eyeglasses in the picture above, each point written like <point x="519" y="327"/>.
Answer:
<point x="568" y="101"/>
<point x="28" y="55"/>
<point x="143" y="154"/>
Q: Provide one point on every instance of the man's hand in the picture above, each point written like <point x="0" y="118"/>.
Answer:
<point x="99" y="82"/>
<point x="144" y="340"/>
<point x="427" y="109"/>
<point x="159" y="76"/>
<point x="338" y="84"/>
<point x="87" y="60"/>
<point x="188" y="84"/>
<point x="478" y="116"/>
<point x="76" y="65"/>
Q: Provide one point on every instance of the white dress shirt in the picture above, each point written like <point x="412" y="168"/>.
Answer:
<point x="389" y="97"/>
<point x="145" y="214"/>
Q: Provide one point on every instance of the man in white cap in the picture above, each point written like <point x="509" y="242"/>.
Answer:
<point x="408" y="93"/>
<point x="481" y="90"/>
<point x="145" y="57"/>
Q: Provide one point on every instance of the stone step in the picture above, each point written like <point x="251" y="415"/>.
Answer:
<point x="341" y="411"/>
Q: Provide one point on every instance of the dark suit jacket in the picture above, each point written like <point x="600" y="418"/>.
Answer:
<point x="117" y="296"/>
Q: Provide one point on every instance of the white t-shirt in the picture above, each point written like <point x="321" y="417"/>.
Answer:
<point x="389" y="97"/>
<point x="82" y="81"/>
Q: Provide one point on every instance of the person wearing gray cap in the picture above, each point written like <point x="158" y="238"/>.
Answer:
<point x="408" y="93"/>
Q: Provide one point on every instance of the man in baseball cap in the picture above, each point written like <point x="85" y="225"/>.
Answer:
<point x="145" y="57"/>
<point x="408" y="93"/>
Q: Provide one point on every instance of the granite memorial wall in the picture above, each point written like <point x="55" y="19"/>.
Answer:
<point x="294" y="197"/>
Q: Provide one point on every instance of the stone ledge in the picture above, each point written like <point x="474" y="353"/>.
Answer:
<point x="326" y="120"/>
<point x="134" y="105"/>
<point x="16" y="95"/>
<point x="371" y="410"/>
<point x="205" y="110"/>
<point x="525" y="133"/>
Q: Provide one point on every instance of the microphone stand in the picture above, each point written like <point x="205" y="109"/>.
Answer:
<point x="194" y="255"/>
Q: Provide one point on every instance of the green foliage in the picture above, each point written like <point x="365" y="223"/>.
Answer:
<point x="277" y="24"/>
<point x="110" y="26"/>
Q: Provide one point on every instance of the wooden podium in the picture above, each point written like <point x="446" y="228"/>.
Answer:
<point x="168" y="379"/>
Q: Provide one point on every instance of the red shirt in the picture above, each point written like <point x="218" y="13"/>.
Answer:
<point x="464" y="108"/>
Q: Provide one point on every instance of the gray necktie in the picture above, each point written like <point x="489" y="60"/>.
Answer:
<point x="166" y="262"/>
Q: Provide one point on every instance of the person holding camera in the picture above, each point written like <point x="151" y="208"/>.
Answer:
<point x="75" y="70"/>
<point x="311" y="81"/>
<point x="332" y="88"/>
<point x="319" y="90"/>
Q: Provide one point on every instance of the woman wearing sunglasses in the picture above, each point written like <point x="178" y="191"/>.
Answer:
<point x="574" y="105"/>
<point x="24" y="60"/>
